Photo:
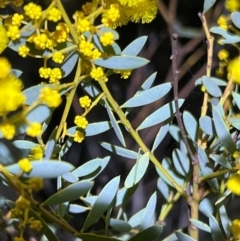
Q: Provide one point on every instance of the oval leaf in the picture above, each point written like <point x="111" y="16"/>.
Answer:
<point x="160" y="115"/>
<point x="70" y="63"/>
<point x="69" y="193"/>
<point x="160" y="136"/>
<point x="120" y="225"/>
<point x="137" y="171"/>
<point x="206" y="125"/>
<point x="236" y="19"/>
<point x="102" y="203"/>
<point x="148" y="96"/>
<point x="54" y="169"/>
<point x="121" y="62"/>
<point x="135" y="47"/>
<point x="190" y="124"/>
<point x="22" y="144"/>
<point x="207" y="5"/>
<point x="183" y="237"/>
<point x="215" y="229"/>
<point x="211" y="87"/>
<point x="200" y="225"/>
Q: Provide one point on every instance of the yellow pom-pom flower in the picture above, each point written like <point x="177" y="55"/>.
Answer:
<point x="13" y="32"/>
<point x="34" y="129"/>
<point x="55" y="76"/>
<point x="44" y="72"/>
<point x="35" y="225"/>
<point x="235" y="228"/>
<point x="3" y="39"/>
<point x="17" y="19"/>
<point x="232" y="5"/>
<point x="33" y="11"/>
<point x="81" y="122"/>
<point x="233" y="184"/>
<point x="8" y="131"/>
<point x="78" y="136"/>
<point x="234" y="70"/>
<point x="223" y="54"/>
<point x="5" y="67"/>
<point x="107" y="39"/>
<point x="58" y="57"/>
<point x="85" y="101"/>
<point x="83" y="25"/>
<point x="22" y="203"/>
<point x="36" y="153"/>
<point x="35" y="183"/>
<point x="25" y="165"/>
<point x="98" y="73"/>
<point x="54" y="15"/>
<point x="50" y="97"/>
<point x="85" y="47"/>
<point x="23" y="51"/>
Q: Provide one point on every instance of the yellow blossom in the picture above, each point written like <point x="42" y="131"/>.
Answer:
<point x="36" y="153"/>
<point x="223" y="22"/>
<point x="16" y="213"/>
<point x="8" y="130"/>
<point x="98" y="74"/>
<point x="111" y="15"/>
<point x="236" y="154"/>
<point x="23" y="51"/>
<point x="22" y="203"/>
<point x="83" y="25"/>
<point x="40" y="41"/>
<point x="55" y="76"/>
<point x="235" y="228"/>
<point x="78" y="136"/>
<point x="13" y="32"/>
<point x="34" y="129"/>
<point x="234" y="70"/>
<point x="35" y="183"/>
<point x="61" y="33"/>
<point x="35" y="225"/>
<point x="233" y="184"/>
<point x="81" y="122"/>
<point x="232" y="5"/>
<point x="107" y="39"/>
<point x="131" y="3"/>
<point x="85" y="47"/>
<point x="44" y="72"/>
<point x="95" y="54"/>
<point x="124" y="73"/>
<point x="54" y="15"/>
<point x="87" y="8"/>
<point x="17" y="19"/>
<point x="223" y="54"/>
<point x="50" y="97"/>
<point x="5" y="67"/>
<point x="3" y="39"/>
<point x="33" y="11"/>
<point x="58" y="57"/>
<point x="25" y="165"/>
<point x="85" y="101"/>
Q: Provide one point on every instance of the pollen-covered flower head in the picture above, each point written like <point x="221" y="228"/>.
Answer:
<point x="3" y="39"/>
<point x="234" y="70"/>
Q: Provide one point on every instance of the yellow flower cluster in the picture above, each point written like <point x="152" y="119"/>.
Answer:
<point x="58" y="57"/>
<point x="85" y="101"/>
<point x="124" y="73"/>
<point x="107" y="39"/>
<point x="223" y="54"/>
<point x="233" y="184"/>
<point x="8" y="130"/>
<point x="78" y="136"/>
<point x="33" y="11"/>
<point x="98" y="74"/>
<point x="54" y="15"/>
<point x="54" y="74"/>
<point x="17" y="19"/>
<point x="81" y="122"/>
<point x="232" y="5"/>
<point x="61" y="33"/>
<point x="34" y="129"/>
<point x="25" y="165"/>
<point x="3" y="39"/>
<point x="23" y="51"/>
<point x="35" y="225"/>
<point x="50" y="97"/>
<point x="13" y="32"/>
<point x="35" y="184"/>
<point x="235" y="228"/>
<point x="36" y="153"/>
<point x="223" y="22"/>
<point x="234" y="70"/>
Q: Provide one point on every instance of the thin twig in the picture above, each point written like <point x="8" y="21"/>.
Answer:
<point x="175" y="93"/>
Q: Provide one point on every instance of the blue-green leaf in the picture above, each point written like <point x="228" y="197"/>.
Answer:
<point x="14" y="45"/>
<point x="190" y="124"/>
<point x="206" y="125"/>
<point x="137" y="218"/>
<point x="149" y="81"/>
<point x="102" y="203"/>
<point x="50" y="144"/>
<point x="175" y="132"/>
<point x="185" y="32"/>
<point x="234" y="121"/>
<point x="95" y="237"/>
<point x="221" y="160"/>
<point x="75" y="208"/>
<point x="236" y="19"/>
<point x="215" y="229"/>
<point x="135" y="47"/>
<point x="206" y="168"/>
<point x="236" y="98"/>
<point x="120" y="225"/>
<point x="229" y="38"/>
<point x="160" y="136"/>
<point x="226" y="222"/>
<point x="70" y="63"/>
<point x="124" y="194"/>
<point x="164" y="188"/>
<point x="148" y="215"/>
<point x="43" y="169"/>
<point x="16" y="72"/>
<point x="223" y="196"/>
<point x="171" y="237"/>
<point x="183" y="237"/>
<point x="160" y="115"/>
<point x="121" y="62"/>
<point x="137" y="171"/>
<point x="148" y="96"/>
<point x="211" y="87"/>
<point x="119" y="150"/>
<point x="180" y="162"/>
<point x="90" y="88"/>
<point x="222" y="131"/>
<point x="39" y="114"/>
<point x="115" y="125"/>
<point x="206" y="207"/>
<point x="69" y="193"/>
<point x="149" y="234"/>
<point x="207" y="5"/>
<point x="22" y="144"/>
<point x="69" y="177"/>
<point x="87" y="167"/>
<point x="201" y="225"/>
